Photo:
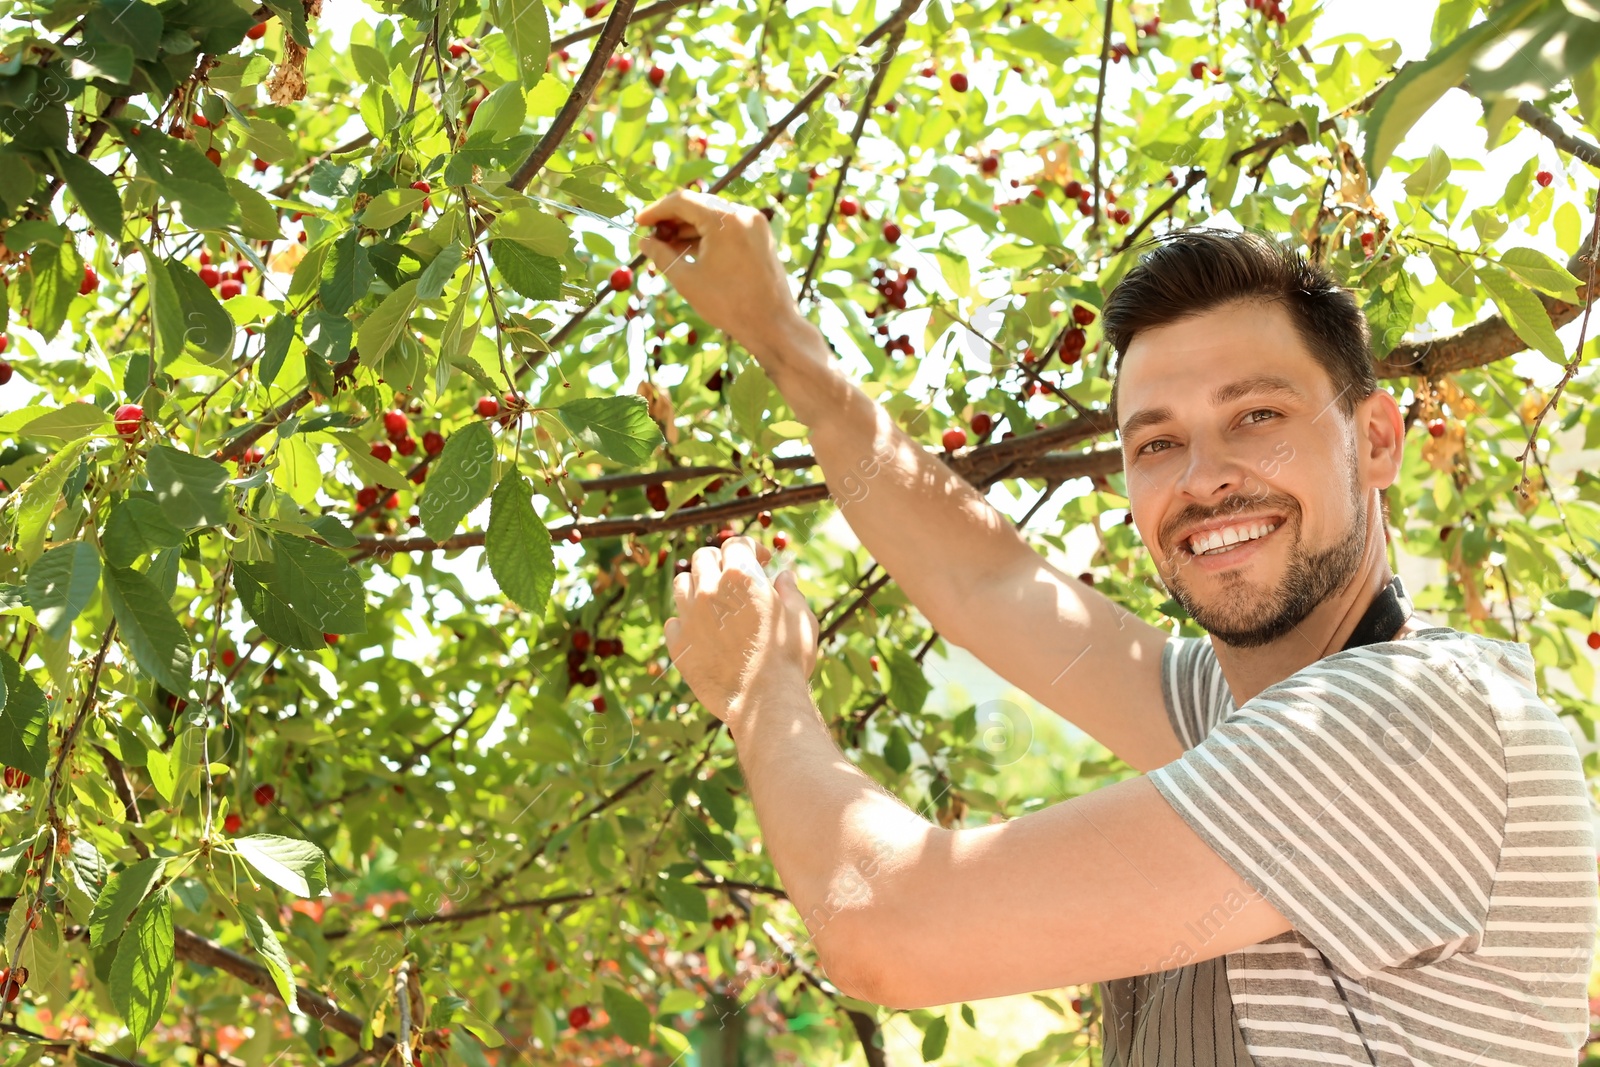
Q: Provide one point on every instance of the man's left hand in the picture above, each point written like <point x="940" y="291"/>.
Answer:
<point x="737" y="634"/>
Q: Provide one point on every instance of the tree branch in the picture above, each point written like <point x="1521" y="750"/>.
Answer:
<point x="660" y="7"/>
<point x="1099" y="111"/>
<point x="193" y="948"/>
<point x="578" y="98"/>
<point x="1477" y="345"/>
<point x="92" y="1054"/>
<point x="1563" y="140"/>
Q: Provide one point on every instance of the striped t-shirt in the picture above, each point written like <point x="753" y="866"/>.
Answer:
<point x="1420" y="816"/>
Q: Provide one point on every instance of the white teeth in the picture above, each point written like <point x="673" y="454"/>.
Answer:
<point x="1224" y="540"/>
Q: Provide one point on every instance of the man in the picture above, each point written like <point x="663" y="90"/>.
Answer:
<point x="1360" y="839"/>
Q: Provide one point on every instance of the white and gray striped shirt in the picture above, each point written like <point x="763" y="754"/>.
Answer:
<point x="1421" y="817"/>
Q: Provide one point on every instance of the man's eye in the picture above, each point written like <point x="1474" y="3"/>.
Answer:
<point x="1260" y="411"/>
<point x="1146" y="448"/>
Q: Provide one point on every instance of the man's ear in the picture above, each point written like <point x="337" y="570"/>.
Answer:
<point x="1380" y="438"/>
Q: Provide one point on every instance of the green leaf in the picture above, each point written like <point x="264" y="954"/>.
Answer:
<point x="278" y="336"/>
<point x="934" y="1038"/>
<point x="908" y="685"/>
<point x="346" y="274"/>
<point x="369" y="469"/>
<point x="24" y="720"/>
<point x="1524" y="312"/>
<point x="61" y="584"/>
<point x="39" y="498"/>
<point x="130" y="22"/>
<point x="57" y="273"/>
<point x="629" y="1017"/>
<point x="305" y="591"/>
<point x="136" y="528"/>
<point x="438" y="273"/>
<point x="190" y="489"/>
<point x="517" y="546"/>
<point x="207" y="328"/>
<point x="718" y="804"/>
<point x="1415" y="90"/>
<point x="382" y="328"/>
<point x="165" y="307"/>
<point x="68" y="423"/>
<point x="527" y="30"/>
<point x="142" y="972"/>
<point x="390" y="206"/>
<point x="532" y="275"/>
<point x="265" y="941"/>
<point x="460" y="479"/>
<point x="618" y="427"/>
<point x="539" y="230"/>
<point x="125" y="890"/>
<point x="95" y="193"/>
<point x="298" y="866"/>
<point x="147" y="626"/>
<point x="1541" y="272"/>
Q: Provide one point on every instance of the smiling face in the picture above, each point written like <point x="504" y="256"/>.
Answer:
<point x="1244" y="472"/>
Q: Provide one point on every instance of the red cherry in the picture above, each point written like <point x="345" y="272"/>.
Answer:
<point x="215" y="157"/>
<point x="417" y="476"/>
<point x="256" y="32"/>
<point x="657" y="76"/>
<point x="457" y="50"/>
<point x="1436" y="427"/>
<point x="574" y="535"/>
<point x="667" y="230"/>
<point x="433" y="442"/>
<point x="958" y="82"/>
<point x="382" y="452"/>
<point x="954" y="438"/>
<point x="764" y="518"/>
<point x="232" y="822"/>
<point x="891" y="233"/>
<point x="230" y="288"/>
<point x="488" y="407"/>
<point x="229" y="657"/>
<point x="204" y="123"/>
<point x="982" y="423"/>
<point x="621" y="280"/>
<point x="595" y="8"/>
<point x="210" y="276"/>
<point x="260" y="164"/>
<point x="848" y="207"/>
<point x="1121" y="216"/>
<point x="780" y="541"/>
<point x="580" y="640"/>
<point x="657" y="496"/>
<point x="623" y="64"/>
<point x="1544" y="178"/>
<point x="395" y="422"/>
<point x="367" y="497"/>
<point x="91" y="282"/>
<point x="1082" y="315"/>
<point x="422" y="187"/>
<point x="253" y="455"/>
<point x="1594" y="641"/>
<point x="265" y="794"/>
<point x="392" y="501"/>
<point x="578" y="1017"/>
<point x="989" y="164"/>
<point x="1197" y="70"/>
<point x="405" y="445"/>
<point x="128" y="419"/>
<point x="1444" y="532"/>
<point x="599" y="705"/>
<point x="5" y="372"/>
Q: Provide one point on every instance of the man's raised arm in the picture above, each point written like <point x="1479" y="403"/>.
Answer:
<point x="960" y="561"/>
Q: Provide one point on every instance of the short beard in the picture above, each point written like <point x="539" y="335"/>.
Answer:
<point x="1243" y="616"/>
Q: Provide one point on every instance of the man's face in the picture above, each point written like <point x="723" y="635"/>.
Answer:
<point x="1241" y="469"/>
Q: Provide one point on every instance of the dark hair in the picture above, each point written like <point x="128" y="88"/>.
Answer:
<point x="1194" y="271"/>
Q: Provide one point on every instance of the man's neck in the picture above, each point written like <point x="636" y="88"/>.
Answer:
<point x="1322" y="633"/>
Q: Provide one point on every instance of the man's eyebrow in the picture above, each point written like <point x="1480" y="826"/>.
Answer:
<point x="1261" y="383"/>
<point x="1226" y="393"/>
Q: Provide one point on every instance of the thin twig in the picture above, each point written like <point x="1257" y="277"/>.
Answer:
<point x="1099" y="110"/>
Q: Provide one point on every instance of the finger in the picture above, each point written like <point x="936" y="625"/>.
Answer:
<point x="706" y="566"/>
<point x="672" y="633"/>
<point x="669" y="258"/>
<point x="682" y="586"/>
<point x="740" y="553"/>
<point x="702" y="212"/>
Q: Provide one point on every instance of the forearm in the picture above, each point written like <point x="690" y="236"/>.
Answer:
<point x="934" y="533"/>
<point x="835" y="836"/>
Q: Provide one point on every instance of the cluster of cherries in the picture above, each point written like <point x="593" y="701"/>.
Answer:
<point x="578" y="654"/>
<point x="1272" y="9"/>
<point x="228" y="284"/>
<point x="16" y="779"/>
<point x="893" y="290"/>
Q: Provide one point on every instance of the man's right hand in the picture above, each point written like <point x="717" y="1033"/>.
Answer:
<point x="734" y="280"/>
